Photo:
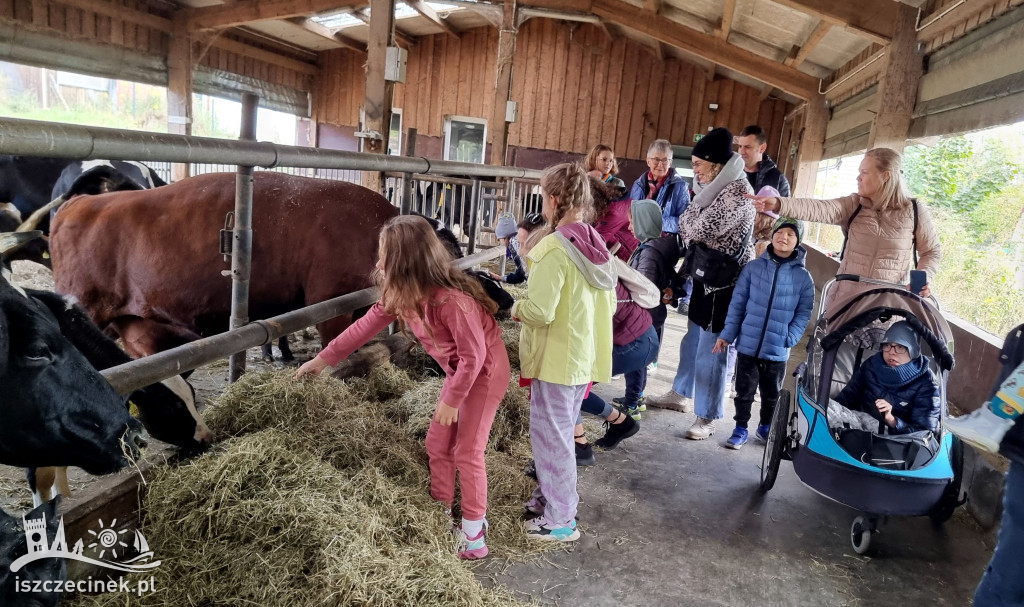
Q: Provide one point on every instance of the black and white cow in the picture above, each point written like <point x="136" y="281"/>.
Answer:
<point x="57" y="410"/>
<point x="14" y="545"/>
<point x="166" y="409"/>
<point x="36" y="186"/>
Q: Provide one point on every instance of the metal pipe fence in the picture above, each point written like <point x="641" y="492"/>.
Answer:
<point x="142" y="372"/>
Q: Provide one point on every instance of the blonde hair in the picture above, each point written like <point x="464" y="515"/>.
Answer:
<point x="570" y="185"/>
<point x="416" y="263"/>
<point x="894" y="193"/>
<point x="590" y="162"/>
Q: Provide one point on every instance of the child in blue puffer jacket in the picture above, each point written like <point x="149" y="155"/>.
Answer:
<point x="770" y="309"/>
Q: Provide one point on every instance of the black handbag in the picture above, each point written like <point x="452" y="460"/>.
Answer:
<point x="713" y="267"/>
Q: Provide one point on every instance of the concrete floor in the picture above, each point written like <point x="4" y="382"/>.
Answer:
<point x="669" y="521"/>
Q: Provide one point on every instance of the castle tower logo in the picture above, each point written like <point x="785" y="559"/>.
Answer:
<point x="108" y="547"/>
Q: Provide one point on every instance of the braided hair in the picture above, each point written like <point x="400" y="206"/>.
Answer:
<point x="569" y="184"/>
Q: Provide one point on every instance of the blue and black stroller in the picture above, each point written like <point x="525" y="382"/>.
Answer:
<point x="878" y="475"/>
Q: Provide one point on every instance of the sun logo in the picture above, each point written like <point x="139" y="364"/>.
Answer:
<point x="107" y="538"/>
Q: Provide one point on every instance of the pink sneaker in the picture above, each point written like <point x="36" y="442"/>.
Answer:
<point x="471" y="548"/>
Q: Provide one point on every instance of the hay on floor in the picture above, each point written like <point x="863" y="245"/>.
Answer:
<point x="320" y="496"/>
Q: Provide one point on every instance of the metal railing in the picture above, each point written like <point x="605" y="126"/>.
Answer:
<point x="131" y="376"/>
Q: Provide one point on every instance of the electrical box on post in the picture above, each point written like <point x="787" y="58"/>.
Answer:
<point x="394" y="64"/>
<point x="511" y="110"/>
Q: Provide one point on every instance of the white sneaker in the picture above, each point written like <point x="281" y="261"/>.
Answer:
<point x="651" y="368"/>
<point x="671" y="400"/>
<point x="982" y="428"/>
<point x="701" y="429"/>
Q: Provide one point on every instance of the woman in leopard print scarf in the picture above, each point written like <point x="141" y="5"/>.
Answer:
<point x="720" y="217"/>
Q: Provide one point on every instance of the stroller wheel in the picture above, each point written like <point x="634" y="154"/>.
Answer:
<point x="860" y="534"/>
<point x="776" y="443"/>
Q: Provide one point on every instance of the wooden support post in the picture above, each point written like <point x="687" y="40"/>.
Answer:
<point x="503" y="83"/>
<point x="897" y="90"/>
<point x="179" y="88"/>
<point x="812" y="146"/>
<point x="379" y="92"/>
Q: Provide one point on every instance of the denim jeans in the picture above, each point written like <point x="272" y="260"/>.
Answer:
<point x="701" y="374"/>
<point x="630" y="359"/>
<point x="751" y="374"/>
<point x="1003" y="584"/>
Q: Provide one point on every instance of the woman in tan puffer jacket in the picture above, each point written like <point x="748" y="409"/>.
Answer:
<point x="881" y="237"/>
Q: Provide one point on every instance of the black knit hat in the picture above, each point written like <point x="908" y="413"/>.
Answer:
<point x="714" y="147"/>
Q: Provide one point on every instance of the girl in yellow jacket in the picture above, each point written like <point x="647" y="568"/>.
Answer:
<point x="566" y="342"/>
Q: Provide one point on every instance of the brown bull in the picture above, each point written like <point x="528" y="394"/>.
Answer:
<point x="146" y="264"/>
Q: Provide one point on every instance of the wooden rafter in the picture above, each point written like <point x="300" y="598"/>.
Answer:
<point x="870" y="19"/>
<point x="240" y="13"/>
<point x="728" y="14"/>
<point x="400" y="36"/>
<point x="652" y="5"/>
<point x="813" y="40"/>
<point x="323" y="32"/>
<point x="431" y="15"/>
<point x="708" y="47"/>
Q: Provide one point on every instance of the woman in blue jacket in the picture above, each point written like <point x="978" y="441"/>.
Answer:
<point x="663" y="185"/>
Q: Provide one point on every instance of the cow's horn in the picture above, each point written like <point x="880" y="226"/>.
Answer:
<point x="33" y="220"/>
<point x="12" y="241"/>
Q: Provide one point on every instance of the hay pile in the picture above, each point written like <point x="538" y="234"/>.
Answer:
<point x="320" y="496"/>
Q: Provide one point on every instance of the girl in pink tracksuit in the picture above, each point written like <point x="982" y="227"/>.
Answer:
<point x="452" y="317"/>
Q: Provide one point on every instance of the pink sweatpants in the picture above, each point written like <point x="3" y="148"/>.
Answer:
<point x="460" y="446"/>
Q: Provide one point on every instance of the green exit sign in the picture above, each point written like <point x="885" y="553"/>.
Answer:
<point x="697" y="137"/>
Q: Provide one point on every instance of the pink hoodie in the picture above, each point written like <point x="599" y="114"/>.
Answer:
<point x="463" y="338"/>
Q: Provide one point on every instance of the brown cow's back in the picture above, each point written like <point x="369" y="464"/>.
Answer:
<point x="154" y="254"/>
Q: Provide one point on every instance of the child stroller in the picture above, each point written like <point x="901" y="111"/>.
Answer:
<point x="879" y="475"/>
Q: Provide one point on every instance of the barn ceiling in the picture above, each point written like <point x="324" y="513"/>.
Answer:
<point x="782" y="46"/>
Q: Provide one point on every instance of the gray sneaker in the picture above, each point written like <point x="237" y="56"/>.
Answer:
<point x="671" y="400"/>
<point x="701" y="429"/>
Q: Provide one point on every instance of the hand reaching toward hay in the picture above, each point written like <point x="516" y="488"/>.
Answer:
<point x="313" y="367"/>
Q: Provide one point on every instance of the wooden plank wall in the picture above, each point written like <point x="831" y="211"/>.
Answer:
<point x="230" y="61"/>
<point x="129" y="33"/>
<point x="575" y="88"/>
<point x="79" y="23"/>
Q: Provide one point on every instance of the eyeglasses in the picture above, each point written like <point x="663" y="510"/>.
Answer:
<point x="897" y="348"/>
<point x="659" y="160"/>
<point x="535" y="219"/>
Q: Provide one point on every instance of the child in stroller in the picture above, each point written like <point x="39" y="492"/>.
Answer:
<point x="894" y="387"/>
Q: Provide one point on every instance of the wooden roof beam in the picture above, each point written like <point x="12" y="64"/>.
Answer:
<point x="653" y="6"/>
<point x="431" y="15"/>
<point x="240" y="13"/>
<point x="323" y="32"/>
<point x="870" y="19"/>
<point x="813" y="40"/>
<point x="728" y="13"/>
<point x="709" y="47"/>
<point x="400" y="36"/>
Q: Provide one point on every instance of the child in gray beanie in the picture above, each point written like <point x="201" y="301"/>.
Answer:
<point x="895" y="385"/>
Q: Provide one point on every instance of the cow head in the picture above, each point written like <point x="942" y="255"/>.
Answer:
<point x="13" y="545"/>
<point x="57" y="410"/>
<point x="168" y="411"/>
